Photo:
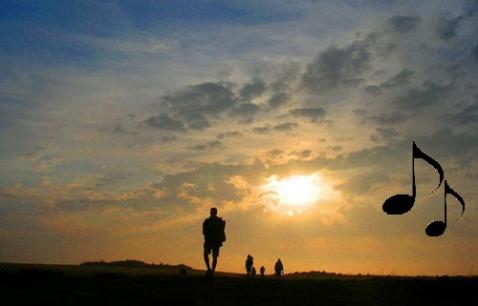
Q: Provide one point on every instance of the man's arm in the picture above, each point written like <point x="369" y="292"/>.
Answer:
<point x="204" y="227"/>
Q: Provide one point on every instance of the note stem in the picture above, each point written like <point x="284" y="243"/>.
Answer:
<point x="414" y="188"/>
<point x="444" y="200"/>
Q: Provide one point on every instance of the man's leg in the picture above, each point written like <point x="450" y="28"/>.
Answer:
<point x="215" y="254"/>
<point x="214" y="262"/>
<point x="206" y="258"/>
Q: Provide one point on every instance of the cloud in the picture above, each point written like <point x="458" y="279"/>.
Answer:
<point x="303" y="154"/>
<point x="168" y="138"/>
<point x="403" y="24"/>
<point x="417" y="98"/>
<point x="314" y="114"/>
<point x="42" y="160"/>
<point x="229" y="134"/>
<point x="164" y="122"/>
<point x="390" y="118"/>
<point x="278" y="100"/>
<point x="208" y="145"/>
<point x="274" y="153"/>
<point x="33" y="155"/>
<point x="246" y="110"/>
<point x="447" y="28"/>
<point x="469" y="115"/>
<point x="253" y="89"/>
<point x="363" y="183"/>
<point x="338" y="66"/>
<point x="400" y="79"/>
<point x="475" y="52"/>
<point x="195" y="103"/>
<point x="196" y="121"/>
<point x="373" y="90"/>
<point x="261" y="129"/>
<point x="336" y="148"/>
<point x="386" y="134"/>
<point x="285" y="127"/>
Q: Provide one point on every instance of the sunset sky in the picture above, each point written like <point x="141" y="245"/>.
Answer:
<point x="123" y="122"/>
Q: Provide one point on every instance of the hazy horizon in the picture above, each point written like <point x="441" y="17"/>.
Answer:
<point x="122" y="123"/>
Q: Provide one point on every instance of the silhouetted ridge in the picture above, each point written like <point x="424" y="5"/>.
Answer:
<point x="133" y="263"/>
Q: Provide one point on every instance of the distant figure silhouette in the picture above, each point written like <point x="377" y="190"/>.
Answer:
<point x="263" y="271"/>
<point x="214" y="235"/>
<point x="279" y="268"/>
<point x="254" y="271"/>
<point x="249" y="264"/>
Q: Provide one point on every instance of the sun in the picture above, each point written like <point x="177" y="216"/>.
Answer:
<point x="296" y="190"/>
<point x="295" y="193"/>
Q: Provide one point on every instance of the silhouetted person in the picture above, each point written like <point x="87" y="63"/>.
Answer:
<point x="214" y="235"/>
<point x="253" y="271"/>
<point x="249" y="264"/>
<point x="263" y="271"/>
<point x="279" y="268"/>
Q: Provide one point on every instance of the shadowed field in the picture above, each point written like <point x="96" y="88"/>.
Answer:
<point x="90" y="285"/>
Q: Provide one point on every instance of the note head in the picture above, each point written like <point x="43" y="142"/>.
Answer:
<point x="398" y="204"/>
<point x="435" y="228"/>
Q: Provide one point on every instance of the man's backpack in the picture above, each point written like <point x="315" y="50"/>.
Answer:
<point x="223" y="230"/>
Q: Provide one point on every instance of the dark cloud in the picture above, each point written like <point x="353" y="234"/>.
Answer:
<point x="194" y="104"/>
<point x="164" y="122"/>
<point x="314" y="114"/>
<point x="275" y="153"/>
<point x="469" y="115"/>
<point x="403" y="24"/>
<point x="446" y="28"/>
<point x="283" y="127"/>
<point x="229" y="134"/>
<point x="336" y="148"/>
<point x="400" y="79"/>
<point x="384" y="134"/>
<point x="204" y="98"/>
<point x="301" y="154"/>
<point x="33" y="155"/>
<point x="261" y="130"/>
<point x="387" y="119"/>
<point x="196" y="121"/>
<point x="338" y="66"/>
<point x="119" y="129"/>
<point x="373" y="90"/>
<point x="246" y="121"/>
<point x="168" y="138"/>
<point x="475" y="52"/>
<point x="208" y="145"/>
<point x="246" y="110"/>
<point x="253" y="89"/>
<point x="278" y="100"/>
<point x="416" y="98"/>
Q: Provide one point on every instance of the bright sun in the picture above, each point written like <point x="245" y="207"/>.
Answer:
<point x="295" y="193"/>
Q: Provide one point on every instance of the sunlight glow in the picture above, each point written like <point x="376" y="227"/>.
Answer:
<point x="295" y="193"/>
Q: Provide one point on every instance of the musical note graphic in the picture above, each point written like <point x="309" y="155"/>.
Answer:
<point x="437" y="228"/>
<point x="401" y="203"/>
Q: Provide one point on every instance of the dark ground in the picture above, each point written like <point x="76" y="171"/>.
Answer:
<point x="61" y="285"/>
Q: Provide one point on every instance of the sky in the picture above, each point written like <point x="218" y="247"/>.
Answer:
<point x="123" y="122"/>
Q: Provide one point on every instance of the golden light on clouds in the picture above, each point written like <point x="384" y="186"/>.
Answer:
<point x="295" y="194"/>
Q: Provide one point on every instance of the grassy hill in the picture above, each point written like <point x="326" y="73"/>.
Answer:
<point x="135" y="283"/>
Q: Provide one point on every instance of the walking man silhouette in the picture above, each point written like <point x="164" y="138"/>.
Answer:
<point x="279" y="268"/>
<point x="249" y="264"/>
<point x="263" y="271"/>
<point x="213" y="229"/>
